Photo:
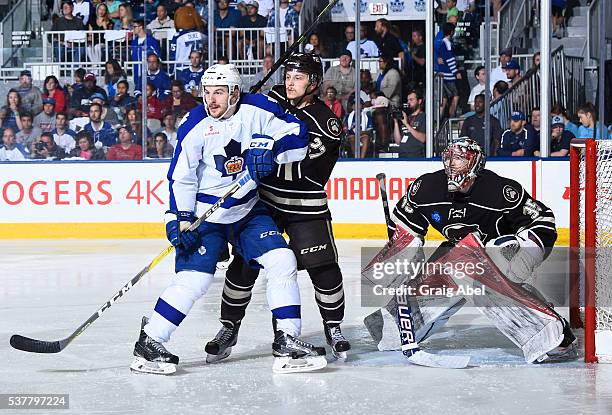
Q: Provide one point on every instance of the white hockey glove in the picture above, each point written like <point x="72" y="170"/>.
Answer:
<point x="517" y="256"/>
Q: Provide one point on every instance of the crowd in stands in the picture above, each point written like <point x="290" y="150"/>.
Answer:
<point x="98" y="116"/>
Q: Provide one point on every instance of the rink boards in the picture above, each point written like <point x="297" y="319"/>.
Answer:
<point x="127" y="200"/>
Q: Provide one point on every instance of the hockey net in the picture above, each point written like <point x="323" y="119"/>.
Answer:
<point x="591" y="245"/>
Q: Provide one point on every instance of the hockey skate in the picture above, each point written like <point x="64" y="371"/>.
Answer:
<point x="221" y="346"/>
<point x="292" y="355"/>
<point x="336" y="340"/>
<point x="151" y="356"/>
<point x="565" y="351"/>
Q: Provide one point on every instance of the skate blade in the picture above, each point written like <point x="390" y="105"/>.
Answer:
<point x="340" y="356"/>
<point x="284" y="365"/>
<point x="141" y="365"/>
<point x="213" y="358"/>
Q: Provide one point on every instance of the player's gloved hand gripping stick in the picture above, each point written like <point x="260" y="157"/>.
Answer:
<point x="41" y="346"/>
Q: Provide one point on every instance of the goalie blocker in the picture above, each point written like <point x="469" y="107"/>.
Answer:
<point x="466" y="199"/>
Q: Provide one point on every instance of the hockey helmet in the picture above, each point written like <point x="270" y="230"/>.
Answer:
<point x="222" y="75"/>
<point x="463" y="160"/>
<point x="308" y="63"/>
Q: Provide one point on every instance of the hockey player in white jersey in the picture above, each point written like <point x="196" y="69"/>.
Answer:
<point x="230" y="134"/>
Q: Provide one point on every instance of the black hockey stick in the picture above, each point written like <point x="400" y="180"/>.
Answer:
<point x="410" y="347"/>
<point x="41" y="346"/>
<point x="294" y="46"/>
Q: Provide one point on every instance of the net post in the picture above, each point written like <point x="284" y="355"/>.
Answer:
<point x="590" y="236"/>
<point x="574" y="223"/>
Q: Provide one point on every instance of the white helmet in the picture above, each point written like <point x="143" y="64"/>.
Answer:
<point x="222" y="75"/>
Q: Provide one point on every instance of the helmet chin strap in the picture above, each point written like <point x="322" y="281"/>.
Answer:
<point x="230" y="106"/>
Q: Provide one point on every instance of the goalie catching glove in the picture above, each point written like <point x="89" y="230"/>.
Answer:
<point x="260" y="158"/>
<point x="177" y="225"/>
<point x="517" y="256"/>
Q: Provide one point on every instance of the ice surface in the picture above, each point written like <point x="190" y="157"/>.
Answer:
<point x="49" y="287"/>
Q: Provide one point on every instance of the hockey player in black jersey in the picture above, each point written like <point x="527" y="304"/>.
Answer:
<point x="296" y="197"/>
<point x="517" y="230"/>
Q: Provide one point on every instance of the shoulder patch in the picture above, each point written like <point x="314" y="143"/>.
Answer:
<point x="334" y="127"/>
<point x="415" y="187"/>
<point x="510" y="194"/>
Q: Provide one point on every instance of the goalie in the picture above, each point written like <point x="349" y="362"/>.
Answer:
<point x="518" y="232"/>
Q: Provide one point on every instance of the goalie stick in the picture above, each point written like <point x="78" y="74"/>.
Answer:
<point x="41" y="346"/>
<point x="410" y="347"/>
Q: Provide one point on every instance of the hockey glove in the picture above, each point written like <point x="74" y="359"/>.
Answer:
<point x="517" y="256"/>
<point x="177" y="224"/>
<point x="260" y="159"/>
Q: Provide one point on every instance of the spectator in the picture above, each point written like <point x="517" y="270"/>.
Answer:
<point x="395" y="31"/>
<point x="102" y="20"/>
<point x="78" y="76"/>
<point x="449" y="69"/>
<point x="223" y="60"/>
<point x="46" y="119"/>
<point x="389" y="80"/>
<point x="315" y="46"/>
<point x="189" y="37"/>
<point x="179" y="101"/>
<point x="590" y="126"/>
<point x="499" y="89"/>
<point x="418" y="57"/>
<point x="535" y="60"/>
<point x="161" y="148"/>
<point x="134" y="125"/>
<point x="126" y="18"/>
<point x="51" y="89"/>
<point x="367" y="87"/>
<point x="265" y="7"/>
<point x="226" y="17"/>
<point x="122" y="101"/>
<point x="479" y="74"/>
<point x="388" y="45"/>
<point x="154" y="105"/>
<point x="11" y="150"/>
<point x="126" y="149"/>
<point x="534" y="130"/>
<point x="558" y="109"/>
<point x="560" y="138"/>
<point x="81" y="99"/>
<point x="368" y="47"/>
<point x="451" y="9"/>
<point x="139" y="40"/>
<point x="349" y="36"/>
<point x="45" y="148"/>
<point x="174" y="5"/>
<point x="31" y="97"/>
<point x="474" y="128"/>
<point x="251" y="41"/>
<point x="252" y="19"/>
<point x="411" y="135"/>
<point x="9" y="113"/>
<point x="366" y="130"/>
<point x="332" y="102"/>
<point x="86" y="149"/>
<point x="499" y="73"/>
<point x="169" y="128"/>
<point x="267" y="65"/>
<point x="62" y="135"/>
<point x="113" y="9"/>
<point x="70" y="47"/>
<point x="112" y="75"/>
<point x="342" y="77"/>
<point x="102" y="132"/>
<point x="81" y="10"/>
<point x="513" y="72"/>
<point x="28" y="133"/>
<point x="289" y="18"/>
<point x="558" y="17"/>
<point x="517" y="140"/>
<point x="161" y="25"/>
<point x="108" y="115"/>
<point x="191" y="77"/>
<point x="157" y="77"/>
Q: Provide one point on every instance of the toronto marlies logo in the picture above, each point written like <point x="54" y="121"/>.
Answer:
<point x="233" y="162"/>
<point x="397" y="6"/>
<point x="363" y="6"/>
<point x="338" y="8"/>
<point x="420" y="6"/>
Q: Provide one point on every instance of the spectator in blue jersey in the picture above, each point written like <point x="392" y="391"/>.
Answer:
<point x="156" y="75"/>
<point x="559" y="110"/>
<point x="81" y="99"/>
<point x="517" y="141"/>
<point x="449" y="70"/>
<point x="589" y="124"/>
<point x="62" y="134"/>
<point x="189" y="37"/>
<point x="122" y="101"/>
<point x="103" y="134"/>
<point x="368" y="47"/>
<point x="140" y="39"/>
<point x="190" y="77"/>
<point x="226" y="17"/>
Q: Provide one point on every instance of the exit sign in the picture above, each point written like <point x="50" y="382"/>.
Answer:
<point x="378" y="8"/>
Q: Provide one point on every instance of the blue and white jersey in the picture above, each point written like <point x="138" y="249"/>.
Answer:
<point x="181" y="46"/>
<point x="210" y="155"/>
<point x="190" y="79"/>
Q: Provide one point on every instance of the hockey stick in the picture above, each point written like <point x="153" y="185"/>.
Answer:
<point x="293" y="47"/>
<point x="410" y="347"/>
<point x="41" y="346"/>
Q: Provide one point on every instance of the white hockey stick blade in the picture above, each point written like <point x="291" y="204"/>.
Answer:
<point x="141" y="365"/>
<point x="423" y="358"/>
<point x="214" y="358"/>
<point x="284" y="365"/>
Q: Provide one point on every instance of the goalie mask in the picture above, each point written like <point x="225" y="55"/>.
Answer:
<point x="463" y="160"/>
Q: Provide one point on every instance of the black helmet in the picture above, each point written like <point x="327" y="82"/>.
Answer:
<point x="307" y="63"/>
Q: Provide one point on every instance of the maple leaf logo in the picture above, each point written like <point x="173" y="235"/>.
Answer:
<point x="232" y="163"/>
